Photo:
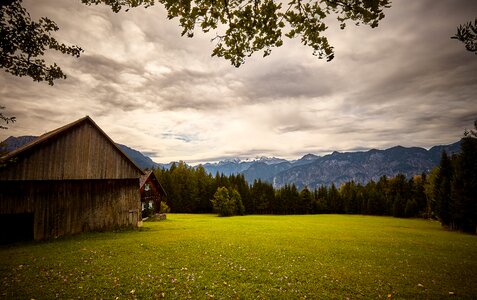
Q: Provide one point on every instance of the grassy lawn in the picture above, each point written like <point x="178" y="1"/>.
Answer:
<point x="264" y="257"/>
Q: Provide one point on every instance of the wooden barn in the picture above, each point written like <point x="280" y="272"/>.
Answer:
<point x="70" y="180"/>
<point x="152" y="192"/>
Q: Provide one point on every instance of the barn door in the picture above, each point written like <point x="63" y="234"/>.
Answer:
<point x="16" y="228"/>
<point x="133" y="217"/>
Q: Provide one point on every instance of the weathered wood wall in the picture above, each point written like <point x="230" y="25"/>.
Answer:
<point x="64" y="207"/>
<point x="82" y="152"/>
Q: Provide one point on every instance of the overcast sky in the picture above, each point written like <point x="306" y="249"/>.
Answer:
<point x="403" y="83"/>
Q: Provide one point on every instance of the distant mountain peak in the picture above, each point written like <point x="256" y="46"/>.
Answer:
<point x="270" y="160"/>
<point x="234" y="160"/>
<point x="309" y="156"/>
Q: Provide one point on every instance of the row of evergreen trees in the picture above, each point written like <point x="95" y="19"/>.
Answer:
<point x="455" y="186"/>
<point x="448" y="193"/>
<point x="190" y="190"/>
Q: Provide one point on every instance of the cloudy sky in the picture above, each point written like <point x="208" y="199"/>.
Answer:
<point x="403" y="83"/>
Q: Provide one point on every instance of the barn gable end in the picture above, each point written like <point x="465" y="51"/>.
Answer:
<point x="70" y="180"/>
<point x="80" y="150"/>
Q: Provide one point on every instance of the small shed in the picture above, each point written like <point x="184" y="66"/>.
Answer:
<point x="152" y="192"/>
<point x="70" y="180"/>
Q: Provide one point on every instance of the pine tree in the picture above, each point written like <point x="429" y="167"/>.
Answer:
<point x="320" y="198"/>
<point x="410" y="210"/>
<point x="305" y="201"/>
<point x="442" y="190"/>
<point x="205" y="190"/>
<point x="334" y="200"/>
<point x="371" y="198"/>
<point x="419" y="195"/>
<point x="464" y="184"/>
<point x="244" y="190"/>
<point x="398" y="206"/>
<point x="235" y="198"/>
<point x="430" y="191"/>
<point x="385" y="201"/>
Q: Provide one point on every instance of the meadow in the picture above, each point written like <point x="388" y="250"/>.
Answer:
<point x="250" y="257"/>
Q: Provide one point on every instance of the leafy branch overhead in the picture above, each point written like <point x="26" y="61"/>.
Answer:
<point x="5" y="119"/>
<point x="241" y="28"/>
<point x="467" y="34"/>
<point x="23" y="43"/>
<point x="245" y="27"/>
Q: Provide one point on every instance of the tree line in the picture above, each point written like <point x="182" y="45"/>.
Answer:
<point x="455" y="186"/>
<point x="448" y="193"/>
<point x="191" y="189"/>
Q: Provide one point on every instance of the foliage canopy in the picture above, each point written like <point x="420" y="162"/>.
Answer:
<point x="227" y="202"/>
<point x="242" y="28"/>
<point x="5" y="119"/>
<point x="245" y="27"/>
<point x="23" y="44"/>
<point x="467" y="34"/>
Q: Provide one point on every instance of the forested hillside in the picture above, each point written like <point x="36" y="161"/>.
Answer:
<point x="447" y="193"/>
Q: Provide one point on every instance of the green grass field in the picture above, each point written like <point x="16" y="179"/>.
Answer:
<point x="264" y="257"/>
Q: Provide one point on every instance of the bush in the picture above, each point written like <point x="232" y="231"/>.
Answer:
<point x="164" y="208"/>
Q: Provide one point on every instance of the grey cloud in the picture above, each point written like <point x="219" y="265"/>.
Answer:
<point x="104" y="69"/>
<point x="170" y="92"/>
<point x="150" y="153"/>
<point x="178" y="89"/>
<point x="419" y="50"/>
<point x="28" y="107"/>
<point x="295" y="128"/>
<point x="180" y="137"/>
<point x="190" y="89"/>
<point x="287" y="80"/>
<point x="294" y="121"/>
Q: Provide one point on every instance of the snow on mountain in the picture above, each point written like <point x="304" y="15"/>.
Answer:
<point x="310" y="170"/>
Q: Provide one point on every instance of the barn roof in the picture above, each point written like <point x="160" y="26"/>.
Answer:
<point x="150" y="174"/>
<point x="61" y="131"/>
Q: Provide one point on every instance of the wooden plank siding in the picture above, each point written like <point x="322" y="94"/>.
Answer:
<point x="70" y="180"/>
<point x="64" y="207"/>
<point x="80" y="153"/>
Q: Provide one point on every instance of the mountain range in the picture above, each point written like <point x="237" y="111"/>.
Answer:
<point x="313" y="171"/>
<point x="310" y="170"/>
